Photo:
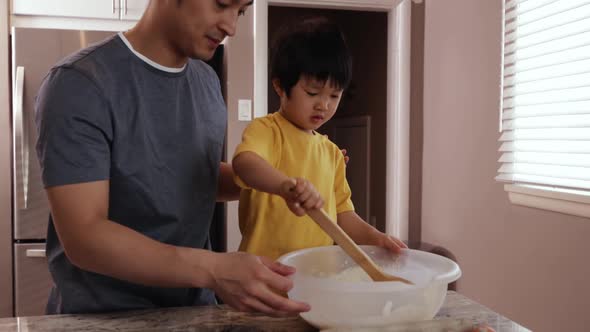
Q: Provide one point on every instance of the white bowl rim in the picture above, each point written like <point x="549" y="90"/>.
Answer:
<point x="453" y="274"/>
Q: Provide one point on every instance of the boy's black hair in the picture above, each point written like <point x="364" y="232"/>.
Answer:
<point x="313" y="47"/>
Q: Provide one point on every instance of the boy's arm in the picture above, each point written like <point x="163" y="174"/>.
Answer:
<point x="257" y="173"/>
<point x="299" y="194"/>
<point x="352" y="224"/>
<point x="362" y="233"/>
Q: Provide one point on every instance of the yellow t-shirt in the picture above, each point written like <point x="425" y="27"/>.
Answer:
<point x="267" y="225"/>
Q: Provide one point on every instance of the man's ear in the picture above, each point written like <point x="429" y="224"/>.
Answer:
<point x="276" y="84"/>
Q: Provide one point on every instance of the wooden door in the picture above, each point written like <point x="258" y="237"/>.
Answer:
<point x="354" y="135"/>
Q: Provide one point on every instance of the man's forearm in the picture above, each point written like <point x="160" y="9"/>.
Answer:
<point x="108" y="248"/>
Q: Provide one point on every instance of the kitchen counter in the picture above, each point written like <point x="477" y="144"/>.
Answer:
<point x="457" y="313"/>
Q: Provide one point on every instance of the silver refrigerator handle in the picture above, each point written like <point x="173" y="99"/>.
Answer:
<point x="36" y="253"/>
<point x="21" y="136"/>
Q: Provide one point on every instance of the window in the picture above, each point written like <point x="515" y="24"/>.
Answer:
<point x="545" y="108"/>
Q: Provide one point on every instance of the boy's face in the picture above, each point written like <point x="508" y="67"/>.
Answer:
<point x="311" y="103"/>
<point x="197" y="27"/>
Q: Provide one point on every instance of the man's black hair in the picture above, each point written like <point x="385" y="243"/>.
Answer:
<point x="313" y="47"/>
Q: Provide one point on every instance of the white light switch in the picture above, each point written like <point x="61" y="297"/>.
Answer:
<point x="244" y="110"/>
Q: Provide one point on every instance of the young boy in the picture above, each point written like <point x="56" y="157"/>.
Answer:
<point x="282" y="159"/>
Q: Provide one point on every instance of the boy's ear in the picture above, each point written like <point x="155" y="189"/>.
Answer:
<point x="276" y="84"/>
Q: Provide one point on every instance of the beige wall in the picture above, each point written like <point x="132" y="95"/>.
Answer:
<point x="5" y="212"/>
<point x="528" y="264"/>
<point x="240" y="75"/>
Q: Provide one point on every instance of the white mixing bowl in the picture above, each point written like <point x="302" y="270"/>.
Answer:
<point x="341" y="303"/>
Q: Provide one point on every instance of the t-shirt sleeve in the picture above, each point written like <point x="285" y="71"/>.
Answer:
<point x="74" y="129"/>
<point x="341" y="188"/>
<point x="261" y="137"/>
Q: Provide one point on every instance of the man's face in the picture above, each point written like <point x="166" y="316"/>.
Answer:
<point x="197" y="27"/>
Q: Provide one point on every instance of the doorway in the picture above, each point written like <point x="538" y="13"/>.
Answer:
<point x="397" y="71"/>
<point x="360" y="122"/>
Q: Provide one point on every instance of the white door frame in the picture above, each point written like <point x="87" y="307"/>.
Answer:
<point x="398" y="85"/>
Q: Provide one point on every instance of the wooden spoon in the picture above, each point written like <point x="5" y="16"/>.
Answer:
<point x="357" y="254"/>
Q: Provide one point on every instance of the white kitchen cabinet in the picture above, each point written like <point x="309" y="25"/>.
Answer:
<point x="133" y="9"/>
<point x="101" y="9"/>
<point x="130" y="10"/>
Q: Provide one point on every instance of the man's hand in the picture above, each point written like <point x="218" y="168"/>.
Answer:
<point x="227" y="189"/>
<point x="300" y="196"/>
<point x="250" y="283"/>
<point x="346" y="158"/>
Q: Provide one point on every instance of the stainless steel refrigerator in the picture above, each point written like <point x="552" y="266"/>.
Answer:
<point x="34" y="52"/>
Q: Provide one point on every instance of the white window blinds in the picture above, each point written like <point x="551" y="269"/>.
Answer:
<point x="545" y="112"/>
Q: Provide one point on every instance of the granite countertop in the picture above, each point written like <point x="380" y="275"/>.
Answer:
<point x="457" y="314"/>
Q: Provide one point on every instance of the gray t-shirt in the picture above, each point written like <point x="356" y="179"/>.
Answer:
<point x="157" y="136"/>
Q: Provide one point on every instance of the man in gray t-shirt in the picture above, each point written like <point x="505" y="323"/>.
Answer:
<point x="130" y="140"/>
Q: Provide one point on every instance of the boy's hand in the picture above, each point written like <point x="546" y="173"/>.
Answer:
<point x="300" y="196"/>
<point x="387" y="241"/>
